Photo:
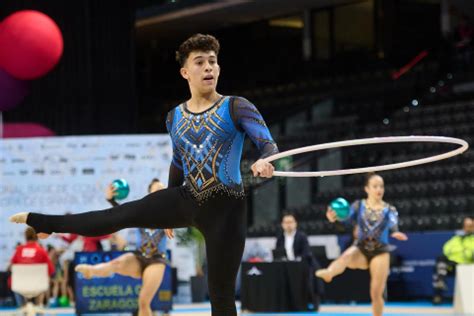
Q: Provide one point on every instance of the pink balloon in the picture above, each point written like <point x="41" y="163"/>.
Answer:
<point x="12" y="91"/>
<point x="31" y="44"/>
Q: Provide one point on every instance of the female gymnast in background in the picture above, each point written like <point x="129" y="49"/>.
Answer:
<point x="147" y="262"/>
<point x="376" y="220"/>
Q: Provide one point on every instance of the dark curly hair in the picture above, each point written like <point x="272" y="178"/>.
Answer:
<point x="197" y="42"/>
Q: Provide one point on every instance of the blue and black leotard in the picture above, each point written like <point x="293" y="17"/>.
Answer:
<point x="207" y="146"/>
<point x="149" y="246"/>
<point x="375" y="226"/>
<point x="204" y="190"/>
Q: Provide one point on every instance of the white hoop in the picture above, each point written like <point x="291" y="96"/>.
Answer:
<point x="368" y="141"/>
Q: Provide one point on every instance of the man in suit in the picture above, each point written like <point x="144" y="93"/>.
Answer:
<point x="293" y="245"/>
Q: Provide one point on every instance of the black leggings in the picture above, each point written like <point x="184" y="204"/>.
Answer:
<point x="221" y="219"/>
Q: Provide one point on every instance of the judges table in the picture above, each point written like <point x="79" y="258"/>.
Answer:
<point x="275" y="286"/>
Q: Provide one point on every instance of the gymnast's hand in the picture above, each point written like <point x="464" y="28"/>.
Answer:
<point x="331" y="215"/>
<point x="169" y="233"/>
<point x="399" y="236"/>
<point x="262" y="169"/>
<point x="110" y="192"/>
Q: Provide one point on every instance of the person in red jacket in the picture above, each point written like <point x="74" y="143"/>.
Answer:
<point x="31" y="253"/>
<point x="91" y="244"/>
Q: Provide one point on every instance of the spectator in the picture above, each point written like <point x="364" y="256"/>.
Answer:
<point x="458" y="250"/>
<point x="31" y="253"/>
<point x="56" y="278"/>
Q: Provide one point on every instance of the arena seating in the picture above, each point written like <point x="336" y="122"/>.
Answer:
<point x="427" y="197"/>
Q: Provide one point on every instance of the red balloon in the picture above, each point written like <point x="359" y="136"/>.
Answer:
<point x="31" y="44"/>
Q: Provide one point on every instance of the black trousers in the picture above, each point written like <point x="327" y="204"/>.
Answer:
<point x="221" y="219"/>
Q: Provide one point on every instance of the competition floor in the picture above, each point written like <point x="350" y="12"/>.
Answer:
<point x="392" y="309"/>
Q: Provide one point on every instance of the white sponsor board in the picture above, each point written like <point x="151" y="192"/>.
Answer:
<point x="55" y="175"/>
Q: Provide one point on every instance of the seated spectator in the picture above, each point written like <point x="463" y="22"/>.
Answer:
<point x="31" y="253"/>
<point x="458" y="250"/>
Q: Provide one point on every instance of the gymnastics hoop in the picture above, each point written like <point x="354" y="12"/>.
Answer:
<point x="367" y="141"/>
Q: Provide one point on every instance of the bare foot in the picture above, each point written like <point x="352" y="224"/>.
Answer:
<point x="324" y="274"/>
<point x="85" y="269"/>
<point x="19" y="218"/>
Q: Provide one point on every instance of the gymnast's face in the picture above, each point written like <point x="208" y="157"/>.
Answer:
<point x="201" y="70"/>
<point x="375" y="188"/>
